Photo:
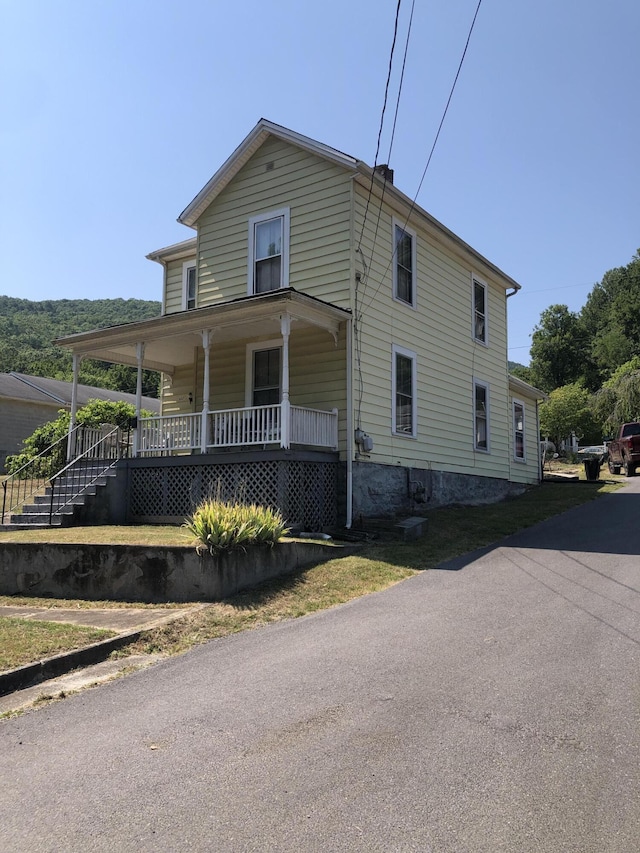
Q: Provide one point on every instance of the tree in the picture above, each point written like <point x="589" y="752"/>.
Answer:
<point x="618" y="401"/>
<point x="93" y="414"/>
<point x="568" y="410"/>
<point x="611" y="317"/>
<point x="558" y="349"/>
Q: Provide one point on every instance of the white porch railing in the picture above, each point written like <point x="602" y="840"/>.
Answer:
<point x="315" y="427"/>
<point x="241" y="427"/>
<point x="169" y="434"/>
<point x="245" y="427"/>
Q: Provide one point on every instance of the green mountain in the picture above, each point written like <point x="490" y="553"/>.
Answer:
<point x="28" y="329"/>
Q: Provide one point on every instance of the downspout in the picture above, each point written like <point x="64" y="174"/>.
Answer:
<point x="349" y="448"/>
<point x="74" y="405"/>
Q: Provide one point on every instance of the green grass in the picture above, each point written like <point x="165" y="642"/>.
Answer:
<point x="451" y="532"/>
<point x="24" y="641"/>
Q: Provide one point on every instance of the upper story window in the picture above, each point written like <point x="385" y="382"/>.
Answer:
<point x="404" y="407"/>
<point x="188" y="285"/>
<point x="480" y="325"/>
<point x="404" y="264"/>
<point x="518" y="431"/>
<point x="269" y="251"/>
<point x="481" y="415"/>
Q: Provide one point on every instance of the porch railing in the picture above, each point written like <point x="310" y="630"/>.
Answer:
<point x="169" y="434"/>
<point x="244" y="427"/>
<point x="248" y="426"/>
<point x="315" y="427"/>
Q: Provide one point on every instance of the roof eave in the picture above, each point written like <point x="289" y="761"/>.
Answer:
<point x="243" y="153"/>
<point x="450" y="237"/>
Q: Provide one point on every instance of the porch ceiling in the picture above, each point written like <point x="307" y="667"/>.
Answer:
<point x="169" y="341"/>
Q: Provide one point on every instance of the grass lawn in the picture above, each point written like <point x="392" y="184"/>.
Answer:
<point x="452" y="531"/>
<point x="25" y="641"/>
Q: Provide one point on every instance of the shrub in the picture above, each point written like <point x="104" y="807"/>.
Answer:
<point x="222" y="526"/>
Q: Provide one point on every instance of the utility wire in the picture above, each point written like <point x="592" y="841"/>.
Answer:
<point x="362" y="279"/>
<point x="384" y="107"/>
<point x="393" y="133"/>
<point x="433" y="147"/>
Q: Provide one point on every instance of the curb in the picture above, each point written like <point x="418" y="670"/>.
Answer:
<point x="32" y="673"/>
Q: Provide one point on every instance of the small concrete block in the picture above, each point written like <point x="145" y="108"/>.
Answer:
<point x="411" y="528"/>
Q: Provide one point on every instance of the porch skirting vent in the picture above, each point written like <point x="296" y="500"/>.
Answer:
<point x="166" y="491"/>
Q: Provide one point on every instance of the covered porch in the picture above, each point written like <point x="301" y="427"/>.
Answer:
<point x="259" y="372"/>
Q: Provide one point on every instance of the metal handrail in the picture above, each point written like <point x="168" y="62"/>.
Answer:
<point x="75" y="473"/>
<point x="22" y="476"/>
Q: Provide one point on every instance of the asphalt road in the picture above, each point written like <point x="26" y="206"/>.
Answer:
<point x="492" y="705"/>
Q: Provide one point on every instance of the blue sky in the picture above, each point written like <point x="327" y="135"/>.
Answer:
<point x="114" y="113"/>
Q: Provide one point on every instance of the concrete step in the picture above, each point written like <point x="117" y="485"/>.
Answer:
<point x="40" y="519"/>
<point x="64" y="497"/>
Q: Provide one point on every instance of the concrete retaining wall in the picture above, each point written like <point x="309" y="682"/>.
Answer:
<point x="148" y="574"/>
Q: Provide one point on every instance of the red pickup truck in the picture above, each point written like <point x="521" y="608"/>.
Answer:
<point x="624" y="451"/>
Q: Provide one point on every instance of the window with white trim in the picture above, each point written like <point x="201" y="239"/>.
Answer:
<point x="188" y="285"/>
<point x="264" y="373"/>
<point x="480" y="324"/>
<point x="404" y="264"/>
<point x="269" y="251"/>
<point x="518" y="431"/>
<point x="481" y="415"/>
<point x="403" y="389"/>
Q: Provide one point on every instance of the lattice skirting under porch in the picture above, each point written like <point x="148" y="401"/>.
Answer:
<point x="304" y="491"/>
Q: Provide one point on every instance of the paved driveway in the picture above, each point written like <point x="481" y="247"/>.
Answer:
<point x="492" y="705"/>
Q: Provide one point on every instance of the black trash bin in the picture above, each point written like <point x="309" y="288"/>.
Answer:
<point x="592" y="469"/>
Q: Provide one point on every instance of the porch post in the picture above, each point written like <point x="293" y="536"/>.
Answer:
<point x="74" y="406"/>
<point x="136" y="432"/>
<point x="349" y="448"/>
<point x="285" y="405"/>
<point x="204" y="435"/>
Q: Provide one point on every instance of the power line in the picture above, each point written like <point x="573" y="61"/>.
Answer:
<point x="433" y="147"/>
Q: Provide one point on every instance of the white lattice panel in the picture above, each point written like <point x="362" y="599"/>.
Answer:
<point x="305" y="492"/>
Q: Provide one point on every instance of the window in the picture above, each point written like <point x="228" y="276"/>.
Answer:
<point x="404" y="260"/>
<point x="518" y="431"/>
<point x="264" y="373"/>
<point x="481" y="416"/>
<point x="188" y="285"/>
<point x="480" y="331"/>
<point x="403" y="420"/>
<point x="266" y="377"/>
<point x="269" y="251"/>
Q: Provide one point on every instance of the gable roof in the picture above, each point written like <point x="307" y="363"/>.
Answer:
<point x="365" y="174"/>
<point x="57" y="393"/>
<point x="243" y="153"/>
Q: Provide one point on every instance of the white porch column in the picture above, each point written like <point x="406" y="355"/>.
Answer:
<point x="285" y="405"/>
<point x="204" y="429"/>
<point x="349" y="447"/>
<point x="136" y="432"/>
<point x="74" y="407"/>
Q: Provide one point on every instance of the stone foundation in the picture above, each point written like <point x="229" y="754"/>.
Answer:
<point x="389" y="490"/>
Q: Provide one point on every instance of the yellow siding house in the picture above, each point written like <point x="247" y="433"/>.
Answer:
<point x="326" y="346"/>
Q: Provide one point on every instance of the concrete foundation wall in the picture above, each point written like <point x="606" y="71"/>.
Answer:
<point x="387" y="490"/>
<point x="148" y="574"/>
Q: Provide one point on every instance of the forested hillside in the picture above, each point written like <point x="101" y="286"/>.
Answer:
<point x="589" y="361"/>
<point x="28" y="329"/>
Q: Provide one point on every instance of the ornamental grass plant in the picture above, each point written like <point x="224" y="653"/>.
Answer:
<point x="223" y="526"/>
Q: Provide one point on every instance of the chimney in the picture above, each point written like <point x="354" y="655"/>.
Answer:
<point x="385" y="172"/>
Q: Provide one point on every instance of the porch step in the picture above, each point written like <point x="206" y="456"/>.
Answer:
<point x="40" y="519"/>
